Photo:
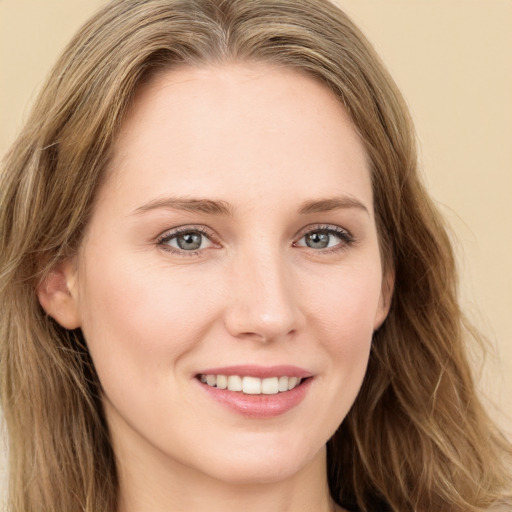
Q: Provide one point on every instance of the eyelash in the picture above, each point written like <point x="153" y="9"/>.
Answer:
<point x="163" y="240"/>
<point x="345" y="236"/>
<point x="347" y="239"/>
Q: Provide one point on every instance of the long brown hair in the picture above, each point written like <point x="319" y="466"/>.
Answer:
<point x="417" y="437"/>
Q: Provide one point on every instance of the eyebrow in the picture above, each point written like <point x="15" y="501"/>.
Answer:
<point x="207" y="206"/>
<point x="212" y="207"/>
<point x="330" y="204"/>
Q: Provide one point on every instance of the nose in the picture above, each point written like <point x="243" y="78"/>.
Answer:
<point x="263" y="300"/>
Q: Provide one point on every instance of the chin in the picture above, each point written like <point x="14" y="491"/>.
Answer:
<point x="264" y="464"/>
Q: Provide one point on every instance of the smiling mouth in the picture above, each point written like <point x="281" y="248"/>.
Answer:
<point x="251" y="385"/>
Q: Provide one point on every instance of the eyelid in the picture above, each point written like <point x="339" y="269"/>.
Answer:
<point x="187" y="228"/>
<point x="344" y="234"/>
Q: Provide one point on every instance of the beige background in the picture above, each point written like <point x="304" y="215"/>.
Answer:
<point x="453" y="61"/>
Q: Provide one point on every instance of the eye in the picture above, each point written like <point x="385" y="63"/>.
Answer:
<point x="185" y="239"/>
<point x="325" y="238"/>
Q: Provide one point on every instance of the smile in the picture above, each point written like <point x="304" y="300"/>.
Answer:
<point x="255" y="391"/>
<point x="251" y="385"/>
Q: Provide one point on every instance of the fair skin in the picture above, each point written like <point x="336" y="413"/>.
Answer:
<point x="275" y="270"/>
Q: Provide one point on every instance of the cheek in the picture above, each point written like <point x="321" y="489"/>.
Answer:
<point x="340" y="329"/>
<point x="137" y="318"/>
<point x="347" y="302"/>
<point x="344" y="312"/>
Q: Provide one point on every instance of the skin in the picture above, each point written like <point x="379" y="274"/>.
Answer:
<point x="263" y="141"/>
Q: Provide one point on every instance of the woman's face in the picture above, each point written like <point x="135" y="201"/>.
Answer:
<point x="234" y="238"/>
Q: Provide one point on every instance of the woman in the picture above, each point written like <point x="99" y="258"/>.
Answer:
<point x="223" y="284"/>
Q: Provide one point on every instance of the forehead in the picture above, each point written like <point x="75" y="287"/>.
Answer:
<point x="234" y="129"/>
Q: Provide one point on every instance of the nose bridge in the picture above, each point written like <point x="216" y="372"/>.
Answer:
<point x="262" y="301"/>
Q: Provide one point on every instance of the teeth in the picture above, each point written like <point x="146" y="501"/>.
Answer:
<point x="234" y="383"/>
<point x="222" y="381"/>
<point x="251" y="385"/>
<point x="270" y="386"/>
<point x="292" y="382"/>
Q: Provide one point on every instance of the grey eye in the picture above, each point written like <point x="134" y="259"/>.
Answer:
<point x="318" y="240"/>
<point x="189" y="241"/>
<point x="323" y="239"/>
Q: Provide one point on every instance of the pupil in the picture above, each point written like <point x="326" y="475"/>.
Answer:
<point x="317" y="240"/>
<point x="189" y="241"/>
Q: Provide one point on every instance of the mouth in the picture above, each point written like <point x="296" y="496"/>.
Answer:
<point x="254" y="391"/>
<point x="251" y="385"/>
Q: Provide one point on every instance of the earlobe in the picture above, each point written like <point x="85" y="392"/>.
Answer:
<point x="386" y="296"/>
<point x="57" y="295"/>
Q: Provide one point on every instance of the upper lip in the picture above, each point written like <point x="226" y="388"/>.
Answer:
<point x="259" y="371"/>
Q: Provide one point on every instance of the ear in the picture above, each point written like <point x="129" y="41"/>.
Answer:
<point x="57" y="295"/>
<point x="386" y="296"/>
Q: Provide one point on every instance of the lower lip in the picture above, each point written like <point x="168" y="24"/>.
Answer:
<point x="259" y="406"/>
